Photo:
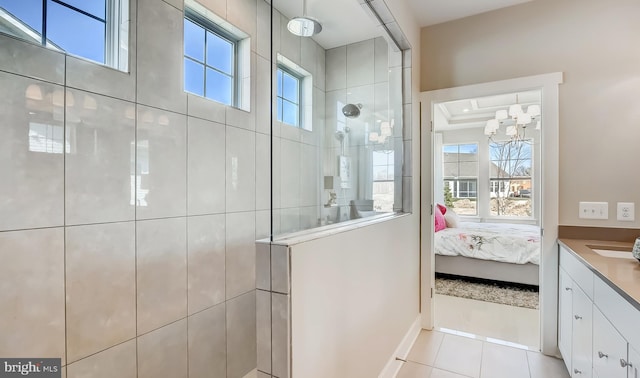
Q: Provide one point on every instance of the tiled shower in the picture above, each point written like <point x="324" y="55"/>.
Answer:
<point x="129" y="209"/>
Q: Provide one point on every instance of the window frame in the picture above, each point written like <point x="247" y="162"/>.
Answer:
<point x="213" y="28"/>
<point x="300" y="81"/>
<point x="457" y="179"/>
<point x="114" y="13"/>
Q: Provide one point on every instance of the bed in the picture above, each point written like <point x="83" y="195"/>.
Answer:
<point x="495" y="251"/>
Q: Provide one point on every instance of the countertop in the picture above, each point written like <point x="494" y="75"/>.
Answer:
<point x="623" y="275"/>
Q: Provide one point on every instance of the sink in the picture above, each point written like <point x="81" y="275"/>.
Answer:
<point x="614" y="253"/>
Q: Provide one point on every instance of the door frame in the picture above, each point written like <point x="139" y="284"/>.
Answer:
<point x="549" y="85"/>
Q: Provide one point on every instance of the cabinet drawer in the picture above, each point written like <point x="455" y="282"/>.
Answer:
<point x="617" y="310"/>
<point x="578" y="271"/>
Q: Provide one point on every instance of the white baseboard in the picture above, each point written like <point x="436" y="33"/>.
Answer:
<point x="393" y="366"/>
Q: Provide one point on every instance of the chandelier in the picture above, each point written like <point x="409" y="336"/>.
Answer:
<point x="516" y="121"/>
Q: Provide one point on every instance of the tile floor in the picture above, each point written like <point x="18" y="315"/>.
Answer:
<point x="438" y="354"/>
<point x="492" y="320"/>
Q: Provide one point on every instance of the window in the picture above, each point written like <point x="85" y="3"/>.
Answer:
<point x="209" y="60"/>
<point x="217" y="58"/>
<point x="460" y="174"/>
<point x="510" y="185"/>
<point x="288" y="97"/>
<point x="383" y="184"/>
<point x="95" y="30"/>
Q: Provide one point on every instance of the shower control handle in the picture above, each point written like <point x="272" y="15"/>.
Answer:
<point x="568" y="288"/>
<point x="602" y="355"/>
<point x="578" y="317"/>
<point x="576" y="371"/>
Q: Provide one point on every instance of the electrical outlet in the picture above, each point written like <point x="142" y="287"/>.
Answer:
<point x="626" y="211"/>
<point x="594" y="210"/>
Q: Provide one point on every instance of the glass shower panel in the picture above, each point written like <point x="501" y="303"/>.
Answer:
<point x="345" y="160"/>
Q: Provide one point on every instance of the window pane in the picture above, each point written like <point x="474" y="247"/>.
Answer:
<point x="279" y="109"/>
<point x="219" y="53"/>
<point x="219" y="87"/>
<point x="380" y="173"/>
<point x="450" y="170"/>
<point x="27" y="11"/>
<point x="450" y="149"/>
<point x="193" y="41"/>
<point x="379" y="158"/>
<point x="94" y="7"/>
<point x="290" y="113"/>
<point x="290" y="87"/>
<point x="75" y="33"/>
<point x="279" y="82"/>
<point x="193" y="77"/>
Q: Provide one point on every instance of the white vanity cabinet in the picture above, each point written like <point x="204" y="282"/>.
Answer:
<point x="609" y="348"/>
<point x="598" y="332"/>
<point x="575" y="315"/>
<point x="634" y="363"/>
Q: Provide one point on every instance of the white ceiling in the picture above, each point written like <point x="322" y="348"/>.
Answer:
<point x="475" y="112"/>
<point x="344" y="21"/>
<point x="431" y="12"/>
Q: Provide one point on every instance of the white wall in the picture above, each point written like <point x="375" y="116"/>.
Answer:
<point x="593" y="42"/>
<point x="354" y="296"/>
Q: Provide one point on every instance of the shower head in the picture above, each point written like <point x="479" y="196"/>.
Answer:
<point x="304" y="26"/>
<point x="351" y="110"/>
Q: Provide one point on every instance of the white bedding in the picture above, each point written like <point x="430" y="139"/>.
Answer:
<point x="512" y="243"/>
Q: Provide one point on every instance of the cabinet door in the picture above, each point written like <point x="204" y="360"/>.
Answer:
<point x="581" y="363"/>
<point x="634" y="363"/>
<point x="565" y="316"/>
<point x="609" y="348"/>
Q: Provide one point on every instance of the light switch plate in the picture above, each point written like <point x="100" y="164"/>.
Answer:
<point x="594" y="210"/>
<point x="626" y="211"/>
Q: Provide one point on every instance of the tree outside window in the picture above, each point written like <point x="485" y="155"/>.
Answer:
<point x="510" y="184"/>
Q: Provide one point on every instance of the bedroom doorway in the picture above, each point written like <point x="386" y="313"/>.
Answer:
<point x="489" y="155"/>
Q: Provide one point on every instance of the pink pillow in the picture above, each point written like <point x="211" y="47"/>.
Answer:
<point x="441" y="224"/>
<point x="443" y="209"/>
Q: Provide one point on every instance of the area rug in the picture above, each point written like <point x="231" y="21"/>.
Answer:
<point x="488" y="291"/>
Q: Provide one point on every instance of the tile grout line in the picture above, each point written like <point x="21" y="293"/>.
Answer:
<point x="186" y="225"/>
<point x="135" y="175"/>
<point x="64" y="212"/>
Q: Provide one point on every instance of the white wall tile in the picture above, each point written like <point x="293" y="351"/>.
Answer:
<point x="118" y="361"/>
<point x="219" y="7"/>
<point x="263" y="266"/>
<point x="31" y="60"/>
<point x="159" y="56"/>
<point x="381" y="60"/>
<point x="161" y="157"/>
<point x="336" y="68"/>
<point x="263" y="94"/>
<point x="308" y="58"/>
<point x="202" y="107"/>
<point x="280" y="269"/>
<point x="263" y="29"/>
<point x="319" y="79"/>
<point x="263" y="329"/>
<point x="100" y="287"/>
<point x="31" y="153"/>
<point x="289" y="220"/>
<point x="207" y="343"/>
<point x="175" y="3"/>
<point x="206" y="261"/>
<point x="161" y="261"/>
<point x="206" y="167"/>
<point x="241" y="335"/>
<point x="263" y="172"/>
<point x="263" y="224"/>
<point x="100" y="160"/>
<point x="290" y="175"/>
<point x="163" y="352"/>
<point x="243" y="15"/>
<point x="360" y="63"/>
<point x="290" y="44"/>
<point x="280" y="323"/>
<point x="310" y="176"/>
<point x="240" y="253"/>
<point x="240" y="170"/>
<point x="33" y="279"/>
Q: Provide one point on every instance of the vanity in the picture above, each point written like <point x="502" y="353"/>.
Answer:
<point x="599" y="309"/>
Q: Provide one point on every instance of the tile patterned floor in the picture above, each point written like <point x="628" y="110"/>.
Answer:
<point x="437" y="354"/>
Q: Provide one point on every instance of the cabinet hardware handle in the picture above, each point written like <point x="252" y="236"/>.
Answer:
<point x="602" y="355"/>
<point x="576" y="371"/>
<point x="567" y="288"/>
<point x="577" y="317"/>
<point x="624" y="363"/>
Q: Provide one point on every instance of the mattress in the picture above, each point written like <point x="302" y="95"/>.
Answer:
<point x="504" y="242"/>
